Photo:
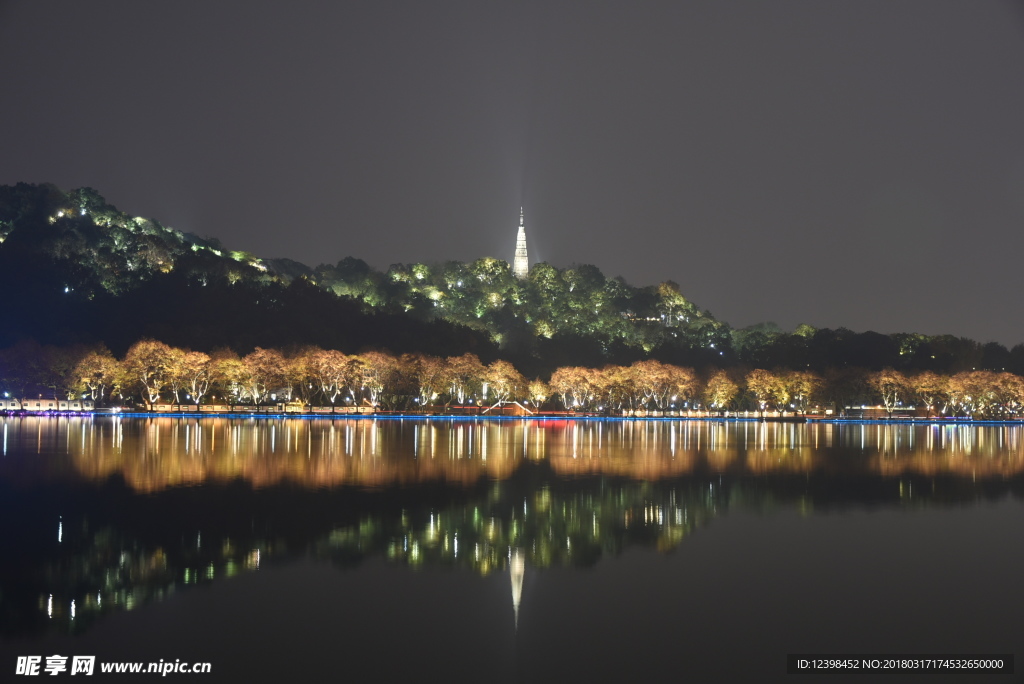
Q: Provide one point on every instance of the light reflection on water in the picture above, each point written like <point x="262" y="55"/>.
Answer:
<point x="210" y="498"/>
<point x="155" y="453"/>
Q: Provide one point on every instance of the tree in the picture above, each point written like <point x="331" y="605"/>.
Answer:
<point x="538" y="392"/>
<point x="574" y="385"/>
<point x="1009" y="393"/>
<point x="720" y="391"/>
<point x="767" y="388"/>
<point x="299" y="377"/>
<point x="329" y="371"/>
<point x="465" y="375"/>
<point x="929" y="389"/>
<point x="504" y="382"/>
<point x="846" y="387"/>
<point x="891" y="386"/>
<point x="801" y="387"/>
<point x="262" y="372"/>
<point x="683" y="385"/>
<point x="377" y="371"/>
<point x="146" y="364"/>
<point x="430" y="375"/>
<point x="672" y="304"/>
<point x="616" y="388"/>
<point x="228" y="372"/>
<point x="663" y="384"/>
<point x="97" y="373"/>
<point x="176" y="377"/>
<point x="197" y="374"/>
<point x="973" y="392"/>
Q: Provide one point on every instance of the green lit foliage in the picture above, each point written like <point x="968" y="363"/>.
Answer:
<point x="115" y="252"/>
<point x="86" y="263"/>
<point x="551" y="527"/>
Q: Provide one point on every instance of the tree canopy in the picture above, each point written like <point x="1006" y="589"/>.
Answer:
<point x="87" y="265"/>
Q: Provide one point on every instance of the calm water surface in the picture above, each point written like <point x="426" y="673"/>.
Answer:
<point x="315" y="549"/>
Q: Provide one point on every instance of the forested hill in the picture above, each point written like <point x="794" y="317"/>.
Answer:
<point x="74" y="269"/>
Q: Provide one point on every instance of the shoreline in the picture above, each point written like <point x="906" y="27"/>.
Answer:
<point x="386" y="415"/>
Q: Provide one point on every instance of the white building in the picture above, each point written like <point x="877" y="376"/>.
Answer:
<point x="521" y="264"/>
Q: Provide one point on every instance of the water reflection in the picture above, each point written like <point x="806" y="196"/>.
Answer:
<point x="153" y="454"/>
<point x="103" y="514"/>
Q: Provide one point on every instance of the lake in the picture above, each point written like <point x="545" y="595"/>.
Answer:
<point x="476" y="550"/>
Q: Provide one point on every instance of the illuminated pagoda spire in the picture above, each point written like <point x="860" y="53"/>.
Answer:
<point x="521" y="264"/>
<point x="516" y="570"/>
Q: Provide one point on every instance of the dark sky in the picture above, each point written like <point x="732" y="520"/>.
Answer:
<point x="853" y="163"/>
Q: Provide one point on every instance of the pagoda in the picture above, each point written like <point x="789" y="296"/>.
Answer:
<point x="521" y="264"/>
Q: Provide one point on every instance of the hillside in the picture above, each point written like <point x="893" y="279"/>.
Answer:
<point x="75" y="254"/>
<point x="75" y="270"/>
<point x="85" y="272"/>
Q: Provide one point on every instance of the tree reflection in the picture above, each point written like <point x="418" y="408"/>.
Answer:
<point x="102" y="515"/>
<point x="152" y="454"/>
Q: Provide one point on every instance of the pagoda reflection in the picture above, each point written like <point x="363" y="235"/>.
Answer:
<point x="161" y="496"/>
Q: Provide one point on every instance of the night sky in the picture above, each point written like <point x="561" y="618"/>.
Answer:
<point x="855" y="163"/>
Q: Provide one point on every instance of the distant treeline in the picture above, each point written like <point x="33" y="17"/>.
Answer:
<point x="151" y="372"/>
<point x="75" y="270"/>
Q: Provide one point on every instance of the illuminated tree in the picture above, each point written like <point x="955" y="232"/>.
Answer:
<point x="720" y="391"/>
<point x="767" y="388"/>
<point x="430" y="375"/>
<point x="377" y="372"/>
<point x="1007" y="394"/>
<point x="683" y="385"/>
<point x="801" y="387"/>
<point x="663" y="384"/>
<point x="538" y="392"/>
<point x="175" y="372"/>
<point x="97" y="373"/>
<point x="299" y="377"/>
<point x="973" y="392"/>
<point x="672" y="305"/>
<point x="575" y="386"/>
<point x="146" y="366"/>
<point x="329" y="371"/>
<point x="465" y="375"/>
<point x="504" y="383"/>
<point x="198" y="374"/>
<point x="649" y="382"/>
<point x="262" y="372"/>
<point x="228" y="373"/>
<point x="891" y="385"/>
<point x="616" y="388"/>
<point x="930" y="389"/>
